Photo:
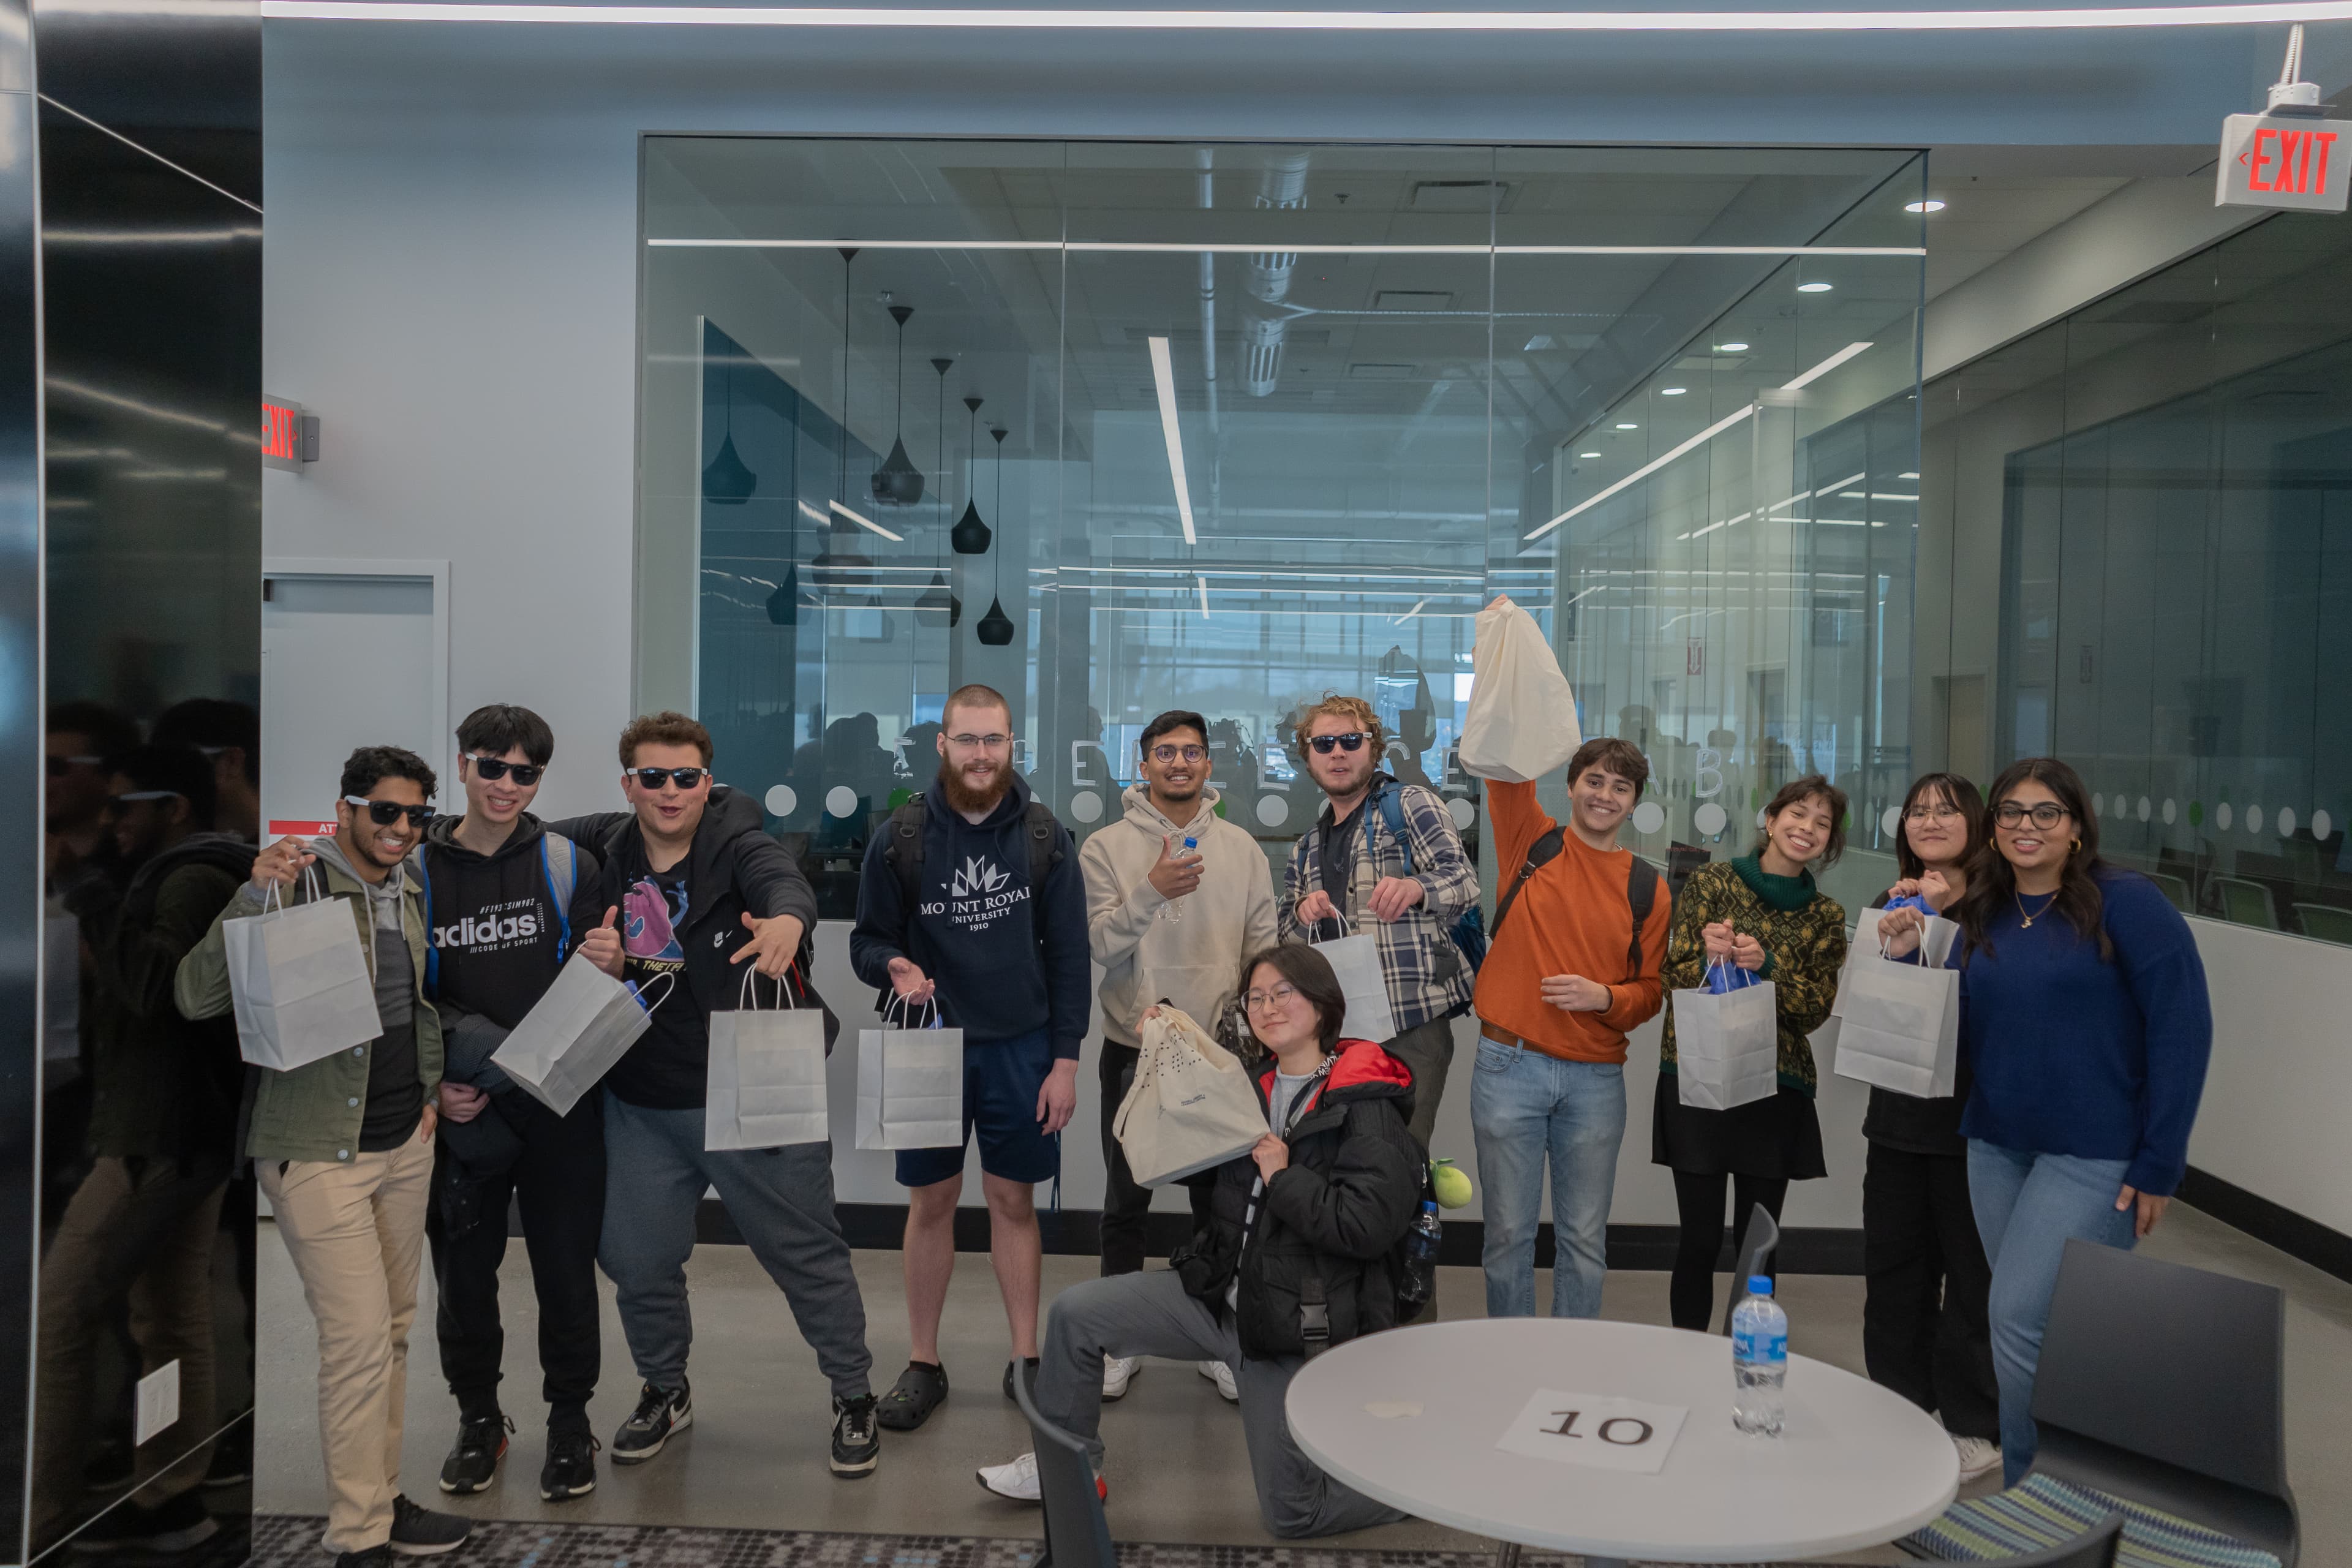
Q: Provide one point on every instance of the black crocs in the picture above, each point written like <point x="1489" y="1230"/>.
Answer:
<point x="920" y="1389"/>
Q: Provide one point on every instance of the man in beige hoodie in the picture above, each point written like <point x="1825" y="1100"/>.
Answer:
<point x="1176" y="898"/>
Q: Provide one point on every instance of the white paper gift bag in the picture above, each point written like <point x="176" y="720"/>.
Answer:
<point x="1899" y="1022"/>
<point x="1726" y="1045"/>
<point x="1521" y="721"/>
<point x="910" y="1084"/>
<point x="1867" y="947"/>
<point x="1191" y="1105"/>
<point x="299" y="980"/>
<point x="584" y="1023"/>
<point x="766" y="1083"/>
<point x="1356" y="961"/>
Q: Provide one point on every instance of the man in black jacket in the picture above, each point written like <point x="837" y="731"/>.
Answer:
<point x="693" y="888"/>
<point x="505" y="900"/>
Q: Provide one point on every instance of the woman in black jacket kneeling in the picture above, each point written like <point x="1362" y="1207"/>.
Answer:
<point x="1295" y="1256"/>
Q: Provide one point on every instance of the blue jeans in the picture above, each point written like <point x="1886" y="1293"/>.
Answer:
<point x="1526" y="1107"/>
<point x="2028" y="1207"/>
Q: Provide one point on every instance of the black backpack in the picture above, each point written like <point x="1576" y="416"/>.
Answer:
<point x="904" y="850"/>
<point x="1641" y="891"/>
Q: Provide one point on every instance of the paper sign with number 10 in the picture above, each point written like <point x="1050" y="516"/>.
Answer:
<point x="1599" y="1431"/>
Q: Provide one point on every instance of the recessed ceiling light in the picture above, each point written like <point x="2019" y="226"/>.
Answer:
<point x="1813" y="288"/>
<point x="1629" y="426"/>
<point x="1731" y="348"/>
<point x="1926" y="206"/>
<point x="1588" y="454"/>
<point x="1672" y="391"/>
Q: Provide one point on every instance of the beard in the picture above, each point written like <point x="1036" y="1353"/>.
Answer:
<point x="962" y="797"/>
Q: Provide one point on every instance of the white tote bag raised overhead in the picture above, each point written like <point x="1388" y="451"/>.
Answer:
<point x="299" y="980"/>
<point x="1899" y="1023"/>
<point x="910" y="1083"/>
<point x="766" y="1084"/>
<point x="581" y="1027"/>
<point x="1356" y="961"/>
<point x="1726" y="1045"/>
<point x="1191" y="1105"/>
<point x="1521" y="723"/>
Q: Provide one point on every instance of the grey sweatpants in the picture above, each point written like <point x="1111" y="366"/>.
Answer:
<point x="1149" y="1314"/>
<point x="780" y="1199"/>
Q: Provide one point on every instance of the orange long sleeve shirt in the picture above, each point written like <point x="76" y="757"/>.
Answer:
<point x="1572" y="918"/>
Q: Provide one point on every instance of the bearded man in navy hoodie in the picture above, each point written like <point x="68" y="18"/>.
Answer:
<point x="972" y="899"/>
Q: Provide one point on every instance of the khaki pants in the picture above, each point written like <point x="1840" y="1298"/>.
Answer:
<point x="356" y="1230"/>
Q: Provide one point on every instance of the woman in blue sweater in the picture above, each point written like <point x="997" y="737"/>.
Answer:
<point x="2084" y="1015"/>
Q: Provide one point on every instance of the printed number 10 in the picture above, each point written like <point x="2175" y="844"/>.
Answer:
<point x="1566" y="1428"/>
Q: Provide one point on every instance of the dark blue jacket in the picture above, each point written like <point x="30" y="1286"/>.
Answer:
<point x="1008" y="958"/>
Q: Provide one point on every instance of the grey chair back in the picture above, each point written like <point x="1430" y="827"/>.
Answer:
<point x="2094" y="1548"/>
<point x="1077" y="1531"/>
<point x="1752" y="1257"/>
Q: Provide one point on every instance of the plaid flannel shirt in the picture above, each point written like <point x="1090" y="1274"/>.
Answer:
<point x="1427" y="975"/>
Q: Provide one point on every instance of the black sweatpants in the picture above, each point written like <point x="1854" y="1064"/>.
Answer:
<point x="1127" y="1206"/>
<point x="1690" y="1295"/>
<point x="1925" y="1333"/>
<point x="554" y="1165"/>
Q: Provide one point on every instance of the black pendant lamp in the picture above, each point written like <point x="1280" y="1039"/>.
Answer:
<point x="971" y="536"/>
<point x="938" y="598"/>
<point x="996" y="627"/>
<point x="784" y="604"/>
<point x="898" y="482"/>
<point x="835" y="572"/>
<point x="726" y="480"/>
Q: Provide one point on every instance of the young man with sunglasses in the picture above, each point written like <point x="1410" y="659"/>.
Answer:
<point x="345" y="1146"/>
<point x="1395" y="867"/>
<point x="695" y="893"/>
<point x="509" y="901"/>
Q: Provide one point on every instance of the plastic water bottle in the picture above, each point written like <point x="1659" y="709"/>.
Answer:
<point x="1421" y="1245"/>
<point x="1759" y="1360"/>
<point x="1173" y="909"/>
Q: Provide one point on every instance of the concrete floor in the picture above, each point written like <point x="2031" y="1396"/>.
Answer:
<point x="755" y="1455"/>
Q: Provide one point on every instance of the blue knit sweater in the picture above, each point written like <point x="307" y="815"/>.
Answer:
<point x="2073" y="1055"/>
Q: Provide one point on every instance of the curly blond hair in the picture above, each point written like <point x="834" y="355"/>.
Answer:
<point x="1354" y="709"/>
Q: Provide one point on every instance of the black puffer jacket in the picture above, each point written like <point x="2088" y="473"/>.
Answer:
<point x="1327" y="1224"/>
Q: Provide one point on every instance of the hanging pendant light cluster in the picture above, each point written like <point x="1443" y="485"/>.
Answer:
<point x="971" y="536"/>
<point x="996" y="627"/>
<point x="898" y="482"/>
<point x="727" y="480"/>
<point x="938" y="597"/>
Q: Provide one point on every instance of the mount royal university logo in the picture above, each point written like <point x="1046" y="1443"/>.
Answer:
<point x="979" y="893"/>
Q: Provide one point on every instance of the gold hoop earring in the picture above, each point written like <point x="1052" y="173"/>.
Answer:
<point x="2077" y="849"/>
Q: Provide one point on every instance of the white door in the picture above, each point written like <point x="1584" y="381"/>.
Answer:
<point x="349" y="658"/>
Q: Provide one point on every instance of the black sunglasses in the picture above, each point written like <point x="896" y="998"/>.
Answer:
<point x="385" y="813"/>
<point x="1349" y="742"/>
<point x="654" y="778"/>
<point x="525" y="773"/>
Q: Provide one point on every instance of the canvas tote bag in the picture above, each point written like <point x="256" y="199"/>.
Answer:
<point x="766" y="1084"/>
<point x="1726" y="1045"/>
<point x="1899" y="1023"/>
<point x="910" y="1083"/>
<point x="566" y="1044"/>
<point x="299" y="979"/>
<point x="1191" y="1105"/>
<point x="1356" y="961"/>
<point x="1521" y="721"/>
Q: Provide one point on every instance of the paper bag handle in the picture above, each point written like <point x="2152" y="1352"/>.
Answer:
<point x="904" y="1009"/>
<point x="787" y="1000"/>
<point x="669" y="975"/>
<point x="1336" y="919"/>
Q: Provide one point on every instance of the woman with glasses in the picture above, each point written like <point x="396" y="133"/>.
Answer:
<point x="1760" y="913"/>
<point x="2085" y="1021"/>
<point x="1924" y="1333"/>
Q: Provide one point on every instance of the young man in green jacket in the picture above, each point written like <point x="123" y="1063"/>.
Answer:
<point x="343" y="1148"/>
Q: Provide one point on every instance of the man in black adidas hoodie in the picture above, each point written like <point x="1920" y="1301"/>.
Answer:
<point x="505" y="901"/>
<point x="973" y="899"/>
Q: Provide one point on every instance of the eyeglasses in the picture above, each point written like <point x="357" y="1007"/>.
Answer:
<point x="2047" y="814"/>
<point x="981" y="742"/>
<point x="60" y="766"/>
<point x="385" y="813"/>
<point x="1166" y="754"/>
<point x="1349" y="742"/>
<point x="525" y="773"/>
<point x="1280" y="997"/>
<point x="654" y="778"/>
<point x="1942" y="811"/>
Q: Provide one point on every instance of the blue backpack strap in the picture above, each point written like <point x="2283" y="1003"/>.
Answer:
<point x="562" y="870"/>
<point x="1392" y="799"/>
<point x="432" y="947"/>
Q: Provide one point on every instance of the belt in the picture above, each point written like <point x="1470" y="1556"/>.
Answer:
<point x="1501" y="1037"/>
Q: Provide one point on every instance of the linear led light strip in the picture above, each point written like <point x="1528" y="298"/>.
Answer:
<point x="1164" y="376"/>
<point x="1320" y="21"/>
<point x="1254" y="247"/>
<point x="1709" y="433"/>
<point x="874" y="527"/>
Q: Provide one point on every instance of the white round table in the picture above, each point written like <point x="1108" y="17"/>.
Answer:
<point x="1857" y="1465"/>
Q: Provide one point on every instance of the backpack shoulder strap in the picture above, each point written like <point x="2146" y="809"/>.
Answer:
<point x="1541" y="853"/>
<point x="1392" y="799"/>
<point x="559" y="863"/>
<point x="1045" y="842"/>
<point x="1642" y="894"/>
<point x="905" y="851"/>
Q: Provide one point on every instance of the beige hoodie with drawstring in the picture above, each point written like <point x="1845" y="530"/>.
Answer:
<point x="1194" y="959"/>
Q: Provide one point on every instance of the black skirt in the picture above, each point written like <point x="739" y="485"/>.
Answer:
<point x="1778" y="1139"/>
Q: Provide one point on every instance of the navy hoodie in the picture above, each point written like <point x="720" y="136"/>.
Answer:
<point x="1008" y="958"/>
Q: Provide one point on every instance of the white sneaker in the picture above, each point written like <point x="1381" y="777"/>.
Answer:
<point x="1117" y="1372"/>
<point x="1221" y="1374"/>
<point x="1977" y="1457"/>
<point x="1017" y="1480"/>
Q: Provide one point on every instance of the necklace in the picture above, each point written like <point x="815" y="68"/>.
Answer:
<point x="2024" y="920"/>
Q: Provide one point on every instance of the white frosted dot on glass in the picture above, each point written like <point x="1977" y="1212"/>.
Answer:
<point x="1273" y="811"/>
<point x="2322" y="825"/>
<point x="2287" y="821"/>
<point x="2099" y="803"/>
<point x="1890" y="822"/>
<point x="2221" y="816"/>
<point x="2170" y="811"/>
<point x="1086" y="806"/>
<point x="2254" y="820"/>
<point x="840" y="800"/>
<point x="1710" y="819"/>
<point x="781" y="800"/>
<point x="2143" y="809"/>
<point x="1648" y="816"/>
<point x="1457" y="807"/>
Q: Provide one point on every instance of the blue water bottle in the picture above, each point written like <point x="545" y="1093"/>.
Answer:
<point x="1759" y="1360"/>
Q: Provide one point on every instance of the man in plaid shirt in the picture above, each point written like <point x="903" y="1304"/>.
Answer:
<point x="1351" y="864"/>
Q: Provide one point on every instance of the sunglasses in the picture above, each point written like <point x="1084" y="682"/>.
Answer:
<point x="385" y="813"/>
<point x="525" y="773"/>
<point x="654" y="778"/>
<point x="1351" y="742"/>
<point x="132" y="797"/>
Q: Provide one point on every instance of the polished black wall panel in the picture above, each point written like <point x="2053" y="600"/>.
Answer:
<point x="181" y="78"/>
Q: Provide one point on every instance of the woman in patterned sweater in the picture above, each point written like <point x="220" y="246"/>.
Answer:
<point x="1760" y="912"/>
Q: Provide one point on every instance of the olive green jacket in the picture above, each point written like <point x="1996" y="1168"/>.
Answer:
<point x="312" y="1112"/>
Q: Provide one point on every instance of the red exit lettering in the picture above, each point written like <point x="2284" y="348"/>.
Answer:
<point x="2300" y="157"/>
<point x="277" y="427"/>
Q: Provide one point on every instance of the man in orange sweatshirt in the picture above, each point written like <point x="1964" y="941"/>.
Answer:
<point x="1579" y="932"/>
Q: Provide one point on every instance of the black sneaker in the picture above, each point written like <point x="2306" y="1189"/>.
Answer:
<point x="473" y="1461"/>
<point x="661" y="1413"/>
<point x="856" y="1442"/>
<point x="374" y="1557"/>
<point x="1011" y="1367"/>
<point x="173" y="1525"/>
<point x="421" y="1533"/>
<point x="920" y="1389"/>
<point x="571" y="1468"/>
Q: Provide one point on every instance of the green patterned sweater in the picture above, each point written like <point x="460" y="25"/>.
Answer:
<point x="1802" y="932"/>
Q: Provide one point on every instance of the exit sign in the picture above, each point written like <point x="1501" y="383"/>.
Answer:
<point x="2291" y="162"/>
<point x="290" y="437"/>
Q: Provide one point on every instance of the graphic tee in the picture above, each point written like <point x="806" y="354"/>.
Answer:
<point x="669" y="1066"/>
